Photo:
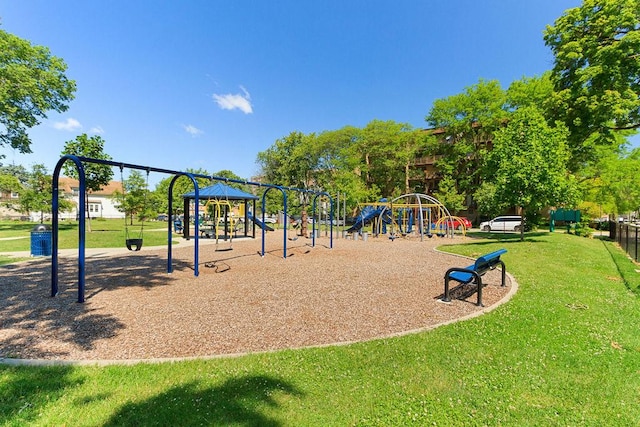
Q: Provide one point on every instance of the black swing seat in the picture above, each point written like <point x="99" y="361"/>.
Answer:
<point x="134" y="244"/>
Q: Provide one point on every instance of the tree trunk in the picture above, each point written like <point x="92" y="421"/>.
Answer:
<point x="406" y="178"/>
<point x="303" y="223"/>
<point x="367" y="175"/>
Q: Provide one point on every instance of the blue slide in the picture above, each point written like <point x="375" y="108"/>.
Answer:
<point x="258" y="222"/>
<point x="366" y="214"/>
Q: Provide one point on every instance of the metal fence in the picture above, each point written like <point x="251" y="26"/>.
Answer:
<point x="628" y="237"/>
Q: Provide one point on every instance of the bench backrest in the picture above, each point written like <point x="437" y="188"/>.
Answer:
<point x="488" y="261"/>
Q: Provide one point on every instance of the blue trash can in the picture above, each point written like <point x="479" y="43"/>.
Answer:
<point x="41" y="240"/>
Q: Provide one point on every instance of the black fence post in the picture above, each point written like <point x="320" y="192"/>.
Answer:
<point x="636" y="243"/>
<point x="613" y="228"/>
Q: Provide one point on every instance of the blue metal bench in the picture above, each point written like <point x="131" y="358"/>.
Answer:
<point x="474" y="273"/>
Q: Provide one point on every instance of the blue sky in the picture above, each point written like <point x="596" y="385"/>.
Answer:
<point x="209" y="84"/>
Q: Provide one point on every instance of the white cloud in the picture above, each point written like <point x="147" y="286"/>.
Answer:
<point x="97" y="130"/>
<point x="240" y="101"/>
<point x="69" y="125"/>
<point x="192" y="130"/>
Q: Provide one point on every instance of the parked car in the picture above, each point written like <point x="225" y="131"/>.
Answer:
<point x="502" y="223"/>
<point x="459" y="221"/>
<point x="162" y="217"/>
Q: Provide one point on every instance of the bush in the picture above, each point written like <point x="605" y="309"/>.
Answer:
<point x="581" y="229"/>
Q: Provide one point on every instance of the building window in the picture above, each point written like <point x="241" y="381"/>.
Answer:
<point x="14" y="195"/>
<point x="94" y="207"/>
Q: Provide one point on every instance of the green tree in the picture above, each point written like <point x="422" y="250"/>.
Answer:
<point x="465" y="125"/>
<point x="619" y="182"/>
<point x="531" y="91"/>
<point x="10" y="184"/>
<point x="32" y="82"/>
<point x="529" y="161"/>
<point x="37" y="194"/>
<point x="448" y="195"/>
<point x="386" y="150"/>
<point x="134" y="200"/>
<point x="339" y="168"/>
<point x="226" y="173"/>
<point x="96" y="175"/>
<point x="18" y="171"/>
<point x="291" y="161"/>
<point x="159" y="198"/>
<point x="596" y="72"/>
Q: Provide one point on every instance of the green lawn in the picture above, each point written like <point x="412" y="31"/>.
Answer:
<point x="564" y="351"/>
<point x="104" y="234"/>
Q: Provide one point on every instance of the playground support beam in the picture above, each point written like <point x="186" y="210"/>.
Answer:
<point x="313" y="227"/>
<point x="185" y="226"/>
<point x="81" y="226"/>
<point x="286" y="219"/>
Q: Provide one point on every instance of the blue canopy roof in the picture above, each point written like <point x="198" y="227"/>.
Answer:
<point x="221" y="191"/>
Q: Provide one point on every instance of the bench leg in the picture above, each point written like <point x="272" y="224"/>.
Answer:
<point x="479" y="282"/>
<point x="476" y="279"/>
<point x="504" y="274"/>
<point x="446" y="297"/>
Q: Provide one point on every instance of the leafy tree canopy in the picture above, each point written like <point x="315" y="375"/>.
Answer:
<point x="18" y="171"/>
<point x="615" y="182"/>
<point x="134" y="201"/>
<point x="596" y="73"/>
<point x="529" y="164"/>
<point x="9" y="183"/>
<point x="96" y="175"/>
<point x="465" y="124"/>
<point x="32" y="82"/>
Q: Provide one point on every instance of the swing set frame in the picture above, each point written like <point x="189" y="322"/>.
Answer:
<point x="78" y="162"/>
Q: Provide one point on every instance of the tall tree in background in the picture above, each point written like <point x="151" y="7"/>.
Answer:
<point x="96" y="175"/>
<point x="532" y="91"/>
<point x="159" y="197"/>
<point x="18" y="171"/>
<point x="467" y="123"/>
<point x="448" y="195"/>
<point x="596" y="73"/>
<point x="619" y="177"/>
<point x="529" y="164"/>
<point x="32" y="82"/>
<point x="134" y="200"/>
<point x="35" y="194"/>
<point x="290" y="161"/>
<point x="386" y="149"/>
<point x="10" y="184"/>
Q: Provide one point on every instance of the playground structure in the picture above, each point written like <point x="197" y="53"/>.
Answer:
<point x="408" y="215"/>
<point x="78" y="162"/>
<point x="222" y="219"/>
<point x="224" y="213"/>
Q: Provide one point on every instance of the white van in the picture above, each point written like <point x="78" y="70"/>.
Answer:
<point x="502" y="223"/>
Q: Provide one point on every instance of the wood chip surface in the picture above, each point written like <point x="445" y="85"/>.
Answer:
<point x="240" y="302"/>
